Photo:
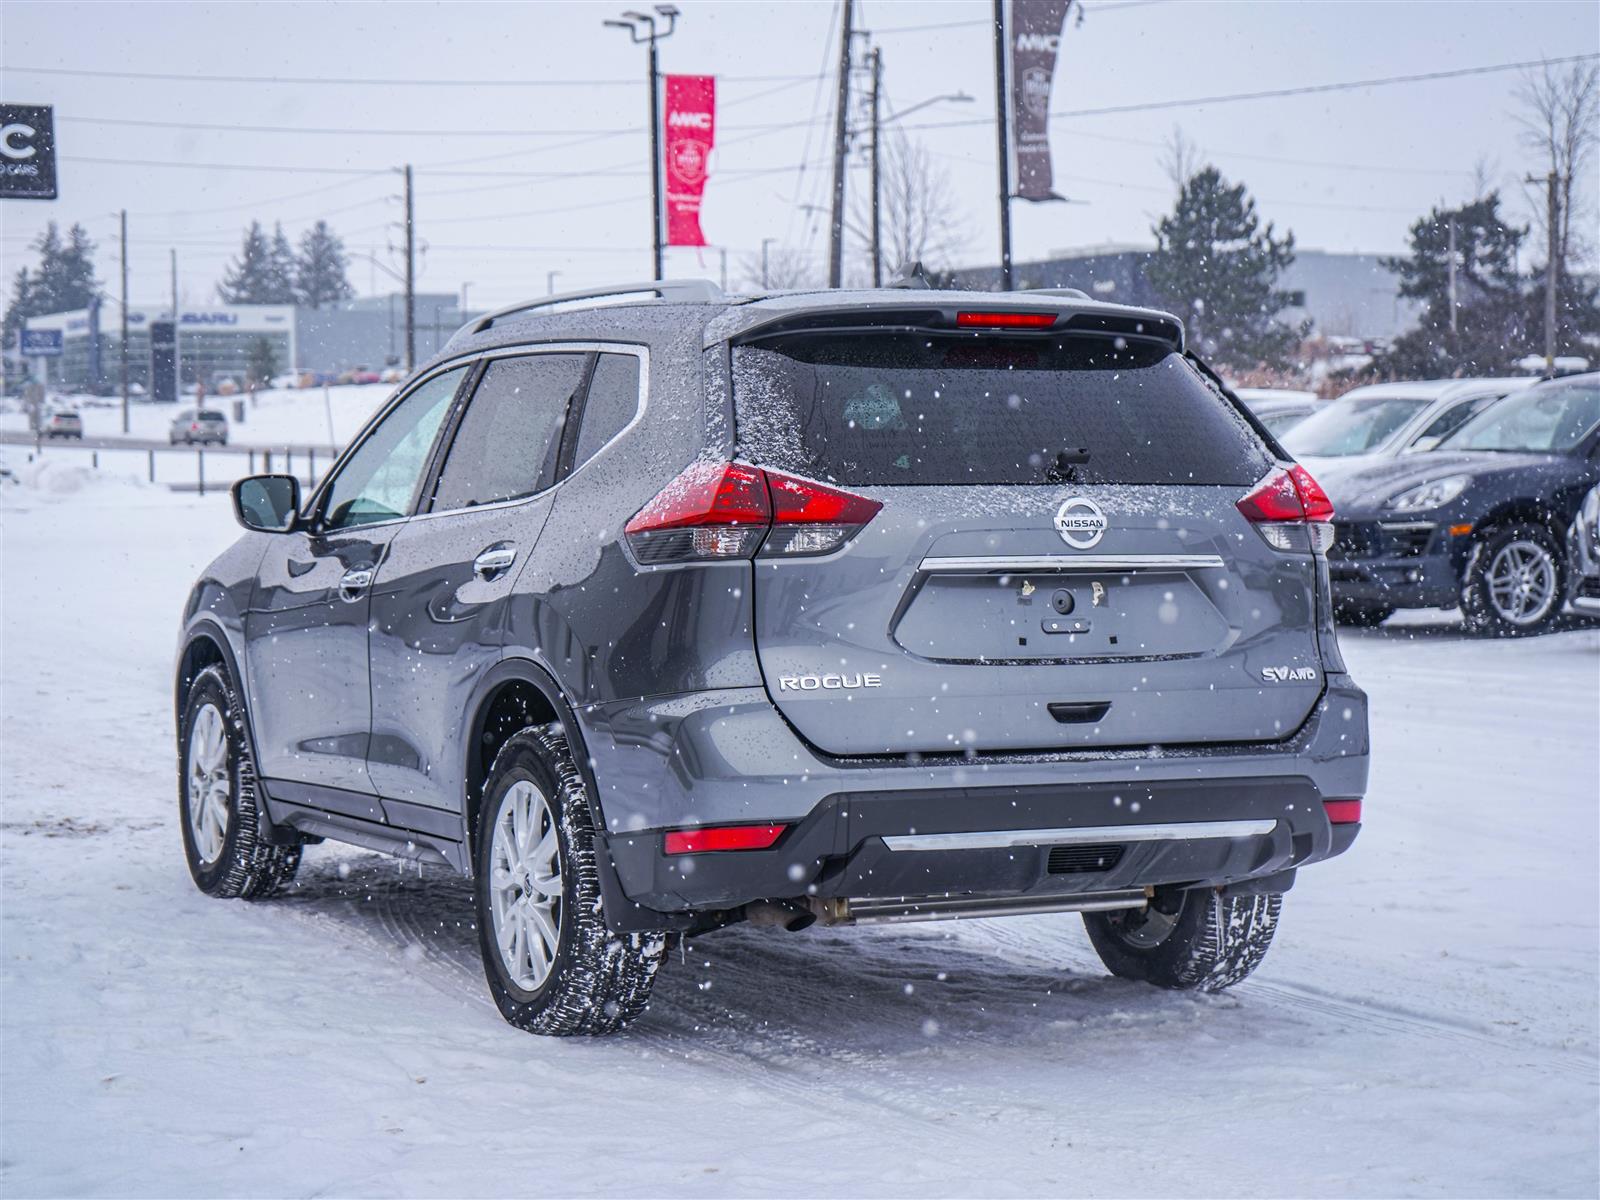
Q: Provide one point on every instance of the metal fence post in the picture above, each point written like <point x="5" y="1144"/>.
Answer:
<point x="266" y="468"/>
<point x="252" y="454"/>
<point x="152" y="454"/>
<point x="200" y="458"/>
<point x="94" y="459"/>
<point x="311" y="471"/>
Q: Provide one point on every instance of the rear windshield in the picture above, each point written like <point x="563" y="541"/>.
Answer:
<point x="916" y="409"/>
<point x="212" y="415"/>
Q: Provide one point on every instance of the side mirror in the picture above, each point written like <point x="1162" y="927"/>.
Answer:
<point x="267" y="503"/>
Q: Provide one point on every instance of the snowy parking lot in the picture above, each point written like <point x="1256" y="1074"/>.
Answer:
<point x="1428" y="1022"/>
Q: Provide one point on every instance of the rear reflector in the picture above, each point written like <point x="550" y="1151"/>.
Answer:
<point x="1290" y="511"/>
<point x="722" y="837"/>
<point x="1005" y="320"/>
<point x="727" y="510"/>
<point x="1342" y="812"/>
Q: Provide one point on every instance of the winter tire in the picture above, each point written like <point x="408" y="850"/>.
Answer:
<point x="1196" y="940"/>
<point x="218" y="807"/>
<point x="1514" y="582"/>
<point x="1363" y="616"/>
<point x="552" y="965"/>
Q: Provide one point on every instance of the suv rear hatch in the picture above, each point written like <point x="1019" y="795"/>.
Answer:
<point x="1060" y="560"/>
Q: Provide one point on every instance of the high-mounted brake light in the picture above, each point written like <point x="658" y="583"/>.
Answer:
<point x="1005" y="320"/>
<point x="730" y="510"/>
<point x="721" y="837"/>
<point x="1290" y="511"/>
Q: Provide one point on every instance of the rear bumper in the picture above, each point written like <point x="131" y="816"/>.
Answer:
<point x="862" y="829"/>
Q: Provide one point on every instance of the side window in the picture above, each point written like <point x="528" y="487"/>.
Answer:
<point x="612" y="402"/>
<point x="507" y="443"/>
<point x="379" y="480"/>
<point x="1453" y="419"/>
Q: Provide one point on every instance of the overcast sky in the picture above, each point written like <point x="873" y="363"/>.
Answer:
<point x="545" y="88"/>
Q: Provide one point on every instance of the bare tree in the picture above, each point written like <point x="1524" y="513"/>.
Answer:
<point x="1560" y="118"/>
<point x="1181" y="159"/>
<point x="1485" y="176"/>
<point x="919" y="218"/>
<point x="787" y="268"/>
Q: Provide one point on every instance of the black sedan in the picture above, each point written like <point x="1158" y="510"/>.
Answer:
<point x="1480" y="522"/>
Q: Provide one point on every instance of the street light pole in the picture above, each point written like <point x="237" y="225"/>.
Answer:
<point x="123" y="219"/>
<point x="765" y="242"/>
<point x="550" y="282"/>
<point x="841" y="137"/>
<point x="632" y="22"/>
<point x="1004" y="140"/>
<point x="877" y="132"/>
<point x="411" y="280"/>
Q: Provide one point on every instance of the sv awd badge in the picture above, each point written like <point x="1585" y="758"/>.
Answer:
<point x="1288" y="674"/>
<point x="827" y="683"/>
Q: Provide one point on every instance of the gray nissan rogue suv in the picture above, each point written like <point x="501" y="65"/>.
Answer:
<point x="655" y="609"/>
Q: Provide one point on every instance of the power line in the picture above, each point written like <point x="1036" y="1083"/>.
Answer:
<point x="314" y="80"/>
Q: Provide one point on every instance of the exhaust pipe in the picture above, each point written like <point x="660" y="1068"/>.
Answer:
<point x="791" y="916"/>
<point x="900" y="909"/>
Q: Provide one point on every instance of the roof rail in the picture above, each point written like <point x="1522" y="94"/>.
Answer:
<point x="682" y="291"/>
<point x="1069" y="293"/>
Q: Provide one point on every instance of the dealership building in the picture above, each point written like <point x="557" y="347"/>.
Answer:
<point x="217" y="342"/>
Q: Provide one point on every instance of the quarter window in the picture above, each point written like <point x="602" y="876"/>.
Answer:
<point x="612" y="402"/>
<point x="508" y="441"/>
<point x="379" y="481"/>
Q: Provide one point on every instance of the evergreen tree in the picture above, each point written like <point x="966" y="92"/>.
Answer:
<point x="1218" y="267"/>
<point x="248" y="279"/>
<point x="281" y="270"/>
<point x="63" y="282"/>
<point x="261" y="362"/>
<point x="1492" y="307"/>
<point x="320" y="272"/>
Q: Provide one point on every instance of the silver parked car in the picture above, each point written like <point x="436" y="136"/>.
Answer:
<point x="199" y="426"/>
<point x="1279" y="409"/>
<point x="1386" y="420"/>
<point x="63" y="424"/>
<point x="1583" y="555"/>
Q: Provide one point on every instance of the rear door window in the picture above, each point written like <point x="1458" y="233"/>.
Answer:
<point x="508" y="440"/>
<point x="921" y="409"/>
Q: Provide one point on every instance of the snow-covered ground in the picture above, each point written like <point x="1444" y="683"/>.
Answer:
<point x="1427" y="1024"/>
<point x="278" y="417"/>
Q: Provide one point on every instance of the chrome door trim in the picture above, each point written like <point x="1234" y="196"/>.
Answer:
<point x="1002" y="839"/>
<point x="1071" y="562"/>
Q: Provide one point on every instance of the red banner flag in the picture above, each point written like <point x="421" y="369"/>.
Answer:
<point x="691" y="121"/>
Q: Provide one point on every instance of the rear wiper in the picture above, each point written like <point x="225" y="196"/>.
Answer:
<point x="1066" y="465"/>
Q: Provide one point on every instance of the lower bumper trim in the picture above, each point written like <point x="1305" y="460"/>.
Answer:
<point x="897" y="910"/>
<point x="1003" y="839"/>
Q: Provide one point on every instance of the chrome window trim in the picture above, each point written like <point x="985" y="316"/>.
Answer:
<point x="1004" y="839"/>
<point x="958" y="565"/>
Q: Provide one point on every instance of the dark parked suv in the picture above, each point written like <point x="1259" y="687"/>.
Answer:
<point x="848" y="607"/>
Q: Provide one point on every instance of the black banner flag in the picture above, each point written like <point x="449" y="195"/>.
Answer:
<point x="1035" y="31"/>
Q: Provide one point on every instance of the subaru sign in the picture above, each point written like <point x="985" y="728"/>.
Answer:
<point x="41" y="343"/>
<point x="27" y="152"/>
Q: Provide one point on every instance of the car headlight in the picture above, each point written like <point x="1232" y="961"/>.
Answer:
<point x="1434" y="494"/>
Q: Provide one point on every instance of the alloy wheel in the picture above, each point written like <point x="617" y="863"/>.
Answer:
<point x="210" y="782"/>
<point x="1522" y="582"/>
<point x="525" y="885"/>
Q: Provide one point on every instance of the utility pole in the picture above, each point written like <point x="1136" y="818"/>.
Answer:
<point x="877" y="132"/>
<point x="174" y="253"/>
<point x="1004" y="141"/>
<point x="1552" y="271"/>
<point x="632" y="21"/>
<point x="765" y="242"/>
<point x="123" y="219"/>
<point x="1454" y="301"/>
<point x="411" y="280"/>
<point x="840" y="147"/>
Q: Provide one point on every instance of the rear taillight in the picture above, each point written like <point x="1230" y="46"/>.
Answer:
<point x="1290" y="511"/>
<point x="730" y="510"/>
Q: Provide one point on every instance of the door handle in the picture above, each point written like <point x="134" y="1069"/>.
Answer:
<point x="353" y="584"/>
<point x="493" y="561"/>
